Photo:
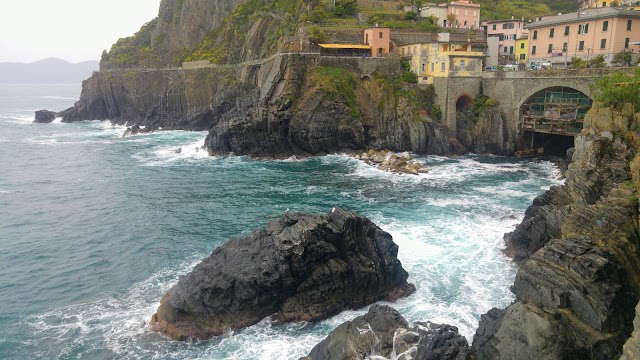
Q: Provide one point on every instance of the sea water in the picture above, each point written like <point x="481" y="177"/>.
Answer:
<point x="95" y="228"/>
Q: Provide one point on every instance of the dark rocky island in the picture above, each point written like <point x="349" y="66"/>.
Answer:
<point x="384" y="333"/>
<point x="299" y="268"/>
<point x="44" y="116"/>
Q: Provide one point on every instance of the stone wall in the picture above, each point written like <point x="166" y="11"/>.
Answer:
<point x="365" y="66"/>
<point x="449" y="90"/>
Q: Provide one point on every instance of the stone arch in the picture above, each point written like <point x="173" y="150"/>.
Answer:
<point x="463" y="101"/>
<point x="583" y="88"/>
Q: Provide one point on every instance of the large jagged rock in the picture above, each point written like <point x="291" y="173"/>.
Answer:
<point x="579" y="251"/>
<point x="382" y="333"/>
<point x="488" y="134"/>
<point x="44" y="116"/>
<point x="299" y="268"/>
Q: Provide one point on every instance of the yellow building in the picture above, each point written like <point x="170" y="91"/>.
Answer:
<point x="522" y="49"/>
<point x="442" y="59"/>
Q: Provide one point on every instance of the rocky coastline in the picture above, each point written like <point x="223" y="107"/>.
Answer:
<point x="299" y="268"/>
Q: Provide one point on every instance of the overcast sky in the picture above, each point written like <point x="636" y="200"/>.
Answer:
<point x="74" y="30"/>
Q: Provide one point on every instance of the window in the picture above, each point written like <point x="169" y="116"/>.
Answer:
<point x="629" y="24"/>
<point x="581" y="46"/>
<point x="522" y="56"/>
<point x="603" y="44"/>
<point x="466" y="12"/>
<point x="465" y="24"/>
<point x="551" y="32"/>
<point x="402" y="51"/>
<point x="511" y="50"/>
<point x="566" y="30"/>
<point x="475" y="13"/>
<point x="494" y="26"/>
<point x="604" y="4"/>
<point x="443" y="67"/>
<point x="583" y="28"/>
<point x="535" y="34"/>
<point x="605" y="26"/>
<point x="533" y="50"/>
<point x="565" y="47"/>
<point x="457" y="11"/>
<point x="521" y="45"/>
<point x="380" y="34"/>
<point x="550" y="49"/>
<point x="422" y="67"/>
<point x="432" y="67"/>
<point x="626" y="43"/>
<point x="508" y="26"/>
<point x="505" y="49"/>
<point x="462" y="63"/>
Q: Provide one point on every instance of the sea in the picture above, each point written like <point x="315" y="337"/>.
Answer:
<point x="96" y="227"/>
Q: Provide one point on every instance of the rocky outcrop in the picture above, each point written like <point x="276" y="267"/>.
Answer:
<point x="389" y="161"/>
<point x="382" y="333"/>
<point x="299" y="268"/>
<point x="579" y="251"/>
<point x="487" y="134"/>
<point x="44" y="116"/>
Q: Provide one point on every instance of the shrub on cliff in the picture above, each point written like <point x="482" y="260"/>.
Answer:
<point x="619" y="88"/>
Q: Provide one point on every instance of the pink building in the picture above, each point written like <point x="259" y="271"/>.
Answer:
<point x="508" y="31"/>
<point x="467" y="14"/>
<point x="599" y="31"/>
<point x="379" y="38"/>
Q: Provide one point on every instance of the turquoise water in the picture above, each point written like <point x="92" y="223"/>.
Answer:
<point x="94" y="228"/>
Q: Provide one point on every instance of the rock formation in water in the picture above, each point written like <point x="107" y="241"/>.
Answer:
<point x="299" y="268"/>
<point x="383" y="333"/>
<point x="578" y="249"/>
<point x="44" y="116"/>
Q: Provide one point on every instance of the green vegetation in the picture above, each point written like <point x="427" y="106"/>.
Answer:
<point x="618" y="89"/>
<point x="597" y="62"/>
<point x="577" y="63"/>
<point x="338" y="83"/>
<point x="225" y="43"/>
<point x="317" y="35"/>
<point x="408" y="75"/>
<point x="623" y="58"/>
<point x="527" y="9"/>
<point x="480" y="104"/>
<point x="344" y="8"/>
<point x="131" y="51"/>
<point x="435" y="112"/>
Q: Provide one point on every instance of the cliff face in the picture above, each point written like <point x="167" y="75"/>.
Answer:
<point x="290" y="104"/>
<point x="578" y="247"/>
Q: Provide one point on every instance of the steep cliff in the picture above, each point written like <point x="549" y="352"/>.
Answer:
<point x="579" y="250"/>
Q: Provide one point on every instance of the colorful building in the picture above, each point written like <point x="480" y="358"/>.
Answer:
<point x="522" y="48"/>
<point x="379" y="38"/>
<point x="465" y="12"/>
<point x="600" y="31"/>
<point x="606" y="3"/>
<point x="508" y="31"/>
<point x="442" y="59"/>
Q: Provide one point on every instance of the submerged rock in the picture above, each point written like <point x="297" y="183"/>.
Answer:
<point x="44" y="116"/>
<point x="299" y="268"/>
<point x="389" y="161"/>
<point x="382" y="333"/>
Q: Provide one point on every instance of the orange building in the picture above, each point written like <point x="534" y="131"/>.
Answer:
<point x="379" y="38"/>
<point x="600" y="31"/>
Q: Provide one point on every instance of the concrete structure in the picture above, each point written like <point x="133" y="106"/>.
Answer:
<point x="493" y="52"/>
<point x="601" y="31"/>
<point x="522" y="48"/>
<point x="465" y="12"/>
<point x="443" y="58"/>
<point x="379" y="38"/>
<point x="508" y="31"/>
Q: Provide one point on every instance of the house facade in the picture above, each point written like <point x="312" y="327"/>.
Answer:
<point x="442" y="59"/>
<point x="599" y="31"/>
<point x="507" y="31"/>
<point x="466" y="14"/>
<point x="379" y="38"/>
<point x="522" y="49"/>
<point x="607" y="3"/>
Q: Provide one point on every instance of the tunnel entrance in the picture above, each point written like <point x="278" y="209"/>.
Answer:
<point x="550" y="119"/>
<point x="464" y="103"/>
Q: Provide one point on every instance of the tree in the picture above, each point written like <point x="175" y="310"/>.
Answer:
<point x="577" y="63"/>
<point x="346" y="8"/>
<point x="411" y="15"/>
<point x="451" y="20"/>
<point x="623" y="58"/>
<point x="618" y="89"/>
<point x="597" y="62"/>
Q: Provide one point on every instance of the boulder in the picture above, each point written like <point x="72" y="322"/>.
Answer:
<point x="382" y="333"/>
<point x="44" y="116"/>
<point x="299" y="268"/>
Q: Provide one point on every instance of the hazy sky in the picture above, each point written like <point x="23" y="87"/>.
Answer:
<point x="74" y="30"/>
